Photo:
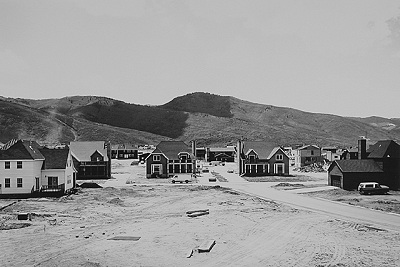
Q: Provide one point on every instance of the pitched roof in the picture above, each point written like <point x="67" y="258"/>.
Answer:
<point x="276" y="149"/>
<point x="263" y="149"/>
<point x="22" y="150"/>
<point x="307" y="146"/>
<point x="383" y="149"/>
<point x="222" y="149"/>
<point x="171" y="149"/>
<point x="357" y="165"/>
<point x="82" y="151"/>
<point x="124" y="147"/>
<point x="55" y="158"/>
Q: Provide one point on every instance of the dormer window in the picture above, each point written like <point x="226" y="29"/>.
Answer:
<point x="279" y="157"/>
<point x="156" y="158"/>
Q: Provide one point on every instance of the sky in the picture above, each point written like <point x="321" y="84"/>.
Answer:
<point x="337" y="57"/>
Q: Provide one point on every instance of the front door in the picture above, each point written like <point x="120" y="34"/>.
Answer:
<point x="279" y="168"/>
<point x="53" y="182"/>
<point x="37" y="183"/>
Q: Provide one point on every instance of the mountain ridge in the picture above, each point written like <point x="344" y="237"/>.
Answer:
<point x="209" y="118"/>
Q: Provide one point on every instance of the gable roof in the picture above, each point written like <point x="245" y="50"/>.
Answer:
<point x="308" y="146"/>
<point x="222" y="149"/>
<point x="82" y="151"/>
<point x="357" y="166"/>
<point x="276" y="149"/>
<point x="263" y="149"/>
<point x="383" y="149"/>
<point x="171" y="149"/>
<point x="124" y="147"/>
<point x="55" y="158"/>
<point x="22" y="150"/>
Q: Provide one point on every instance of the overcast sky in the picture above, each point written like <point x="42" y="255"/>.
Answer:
<point x="339" y="57"/>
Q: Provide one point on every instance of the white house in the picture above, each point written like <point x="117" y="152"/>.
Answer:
<point x="27" y="168"/>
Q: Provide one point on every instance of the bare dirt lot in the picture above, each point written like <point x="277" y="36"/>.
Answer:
<point x="76" y="230"/>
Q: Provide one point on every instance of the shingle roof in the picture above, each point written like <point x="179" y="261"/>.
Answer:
<point x="22" y="149"/>
<point x="383" y="149"/>
<point x="124" y="147"/>
<point x="83" y="150"/>
<point x="276" y="149"/>
<point x="171" y="149"/>
<point x="358" y="165"/>
<point x="55" y="158"/>
<point x="263" y="149"/>
<point x="222" y="149"/>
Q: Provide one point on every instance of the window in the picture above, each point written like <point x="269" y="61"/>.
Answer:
<point x="19" y="182"/>
<point x="7" y="183"/>
<point x="279" y="157"/>
<point x="7" y="165"/>
<point x="156" y="158"/>
<point x="312" y="152"/>
<point x="19" y="164"/>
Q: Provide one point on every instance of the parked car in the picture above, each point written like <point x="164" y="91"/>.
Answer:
<point x="372" y="188"/>
<point x="229" y="171"/>
<point x="212" y="179"/>
<point x="181" y="179"/>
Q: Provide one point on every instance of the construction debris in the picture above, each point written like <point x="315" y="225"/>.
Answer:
<point x="196" y="213"/>
<point x="206" y="246"/>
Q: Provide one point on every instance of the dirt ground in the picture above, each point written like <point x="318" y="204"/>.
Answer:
<point x="76" y="230"/>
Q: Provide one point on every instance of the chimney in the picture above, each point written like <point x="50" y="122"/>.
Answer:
<point x="362" y="148"/>
<point x="238" y="155"/>
<point x="194" y="148"/>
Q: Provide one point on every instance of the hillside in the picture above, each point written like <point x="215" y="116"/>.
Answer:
<point x="40" y="120"/>
<point x="208" y="118"/>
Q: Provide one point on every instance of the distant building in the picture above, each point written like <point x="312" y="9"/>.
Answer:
<point x="307" y="155"/>
<point x="92" y="159"/>
<point x="170" y="158"/>
<point x="124" y="151"/>
<point x="223" y="154"/>
<point x="257" y="158"/>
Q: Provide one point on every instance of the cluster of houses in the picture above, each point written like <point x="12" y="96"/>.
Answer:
<point x="28" y="168"/>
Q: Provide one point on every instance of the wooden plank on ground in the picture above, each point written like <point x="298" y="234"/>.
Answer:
<point x="196" y="214"/>
<point x="193" y="211"/>
<point x="206" y="246"/>
<point x="128" y="238"/>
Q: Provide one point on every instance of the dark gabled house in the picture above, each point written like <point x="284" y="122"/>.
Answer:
<point x="380" y="163"/>
<point x="347" y="174"/>
<point x="170" y="158"/>
<point x="92" y="159"/>
<point x="124" y="151"/>
<point x="257" y="158"/>
<point x="223" y="154"/>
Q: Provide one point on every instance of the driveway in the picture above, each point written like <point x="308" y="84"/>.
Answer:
<point x="378" y="219"/>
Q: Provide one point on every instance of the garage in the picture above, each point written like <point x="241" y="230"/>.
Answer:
<point x="336" y="180"/>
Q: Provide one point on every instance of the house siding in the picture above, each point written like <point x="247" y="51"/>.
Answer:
<point x="30" y="170"/>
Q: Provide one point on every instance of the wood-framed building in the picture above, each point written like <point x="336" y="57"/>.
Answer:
<point x="170" y="158"/>
<point x="258" y="158"/>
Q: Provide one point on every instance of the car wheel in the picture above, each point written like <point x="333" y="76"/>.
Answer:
<point x="186" y="181"/>
<point x="173" y="181"/>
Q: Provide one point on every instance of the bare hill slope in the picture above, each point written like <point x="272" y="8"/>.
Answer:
<point x="208" y="118"/>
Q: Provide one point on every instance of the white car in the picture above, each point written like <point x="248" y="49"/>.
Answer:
<point x="181" y="179"/>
